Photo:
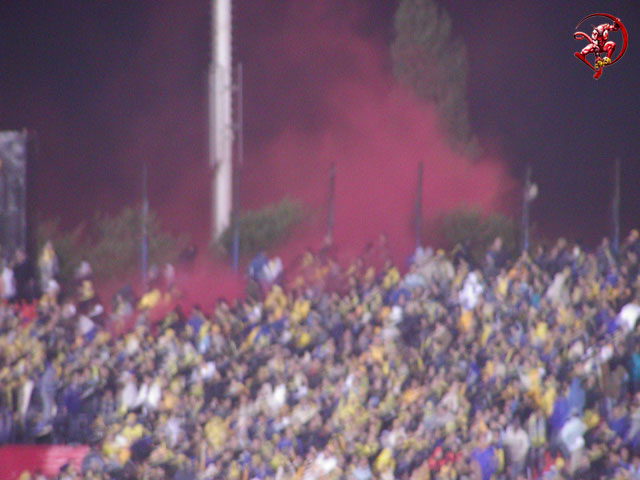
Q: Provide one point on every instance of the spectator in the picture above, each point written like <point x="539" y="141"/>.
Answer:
<point x="8" y="282"/>
<point x="47" y="265"/>
<point x="529" y="367"/>
<point x="25" y="279"/>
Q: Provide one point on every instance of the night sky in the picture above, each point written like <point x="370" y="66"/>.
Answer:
<point x="110" y="85"/>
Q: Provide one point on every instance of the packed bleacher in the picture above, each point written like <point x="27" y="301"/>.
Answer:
<point x="450" y="368"/>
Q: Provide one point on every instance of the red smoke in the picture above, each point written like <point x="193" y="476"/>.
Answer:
<point x="335" y="100"/>
<point x="317" y="91"/>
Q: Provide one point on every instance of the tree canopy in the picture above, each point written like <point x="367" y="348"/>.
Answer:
<point x="264" y="228"/>
<point x="428" y="58"/>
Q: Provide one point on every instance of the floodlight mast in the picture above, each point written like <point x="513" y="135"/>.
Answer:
<point x="221" y="127"/>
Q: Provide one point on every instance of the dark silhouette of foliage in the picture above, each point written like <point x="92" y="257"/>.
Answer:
<point x="467" y="226"/>
<point x="433" y="62"/>
<point x="261" y="229"/>
<point x="112" y="244"/>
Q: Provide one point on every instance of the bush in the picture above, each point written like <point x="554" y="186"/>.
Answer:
<point x="116" y="242"/>
<point x="111" y="244"/>
<point x="261" y="229"/>
<point x="470" y="227"/>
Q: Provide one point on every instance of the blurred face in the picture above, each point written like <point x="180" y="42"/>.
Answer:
<point x="624" y="454"/>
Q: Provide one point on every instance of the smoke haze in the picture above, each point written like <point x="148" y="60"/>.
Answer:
<point x="330" y="93"/>
<point x="318" y="90"/>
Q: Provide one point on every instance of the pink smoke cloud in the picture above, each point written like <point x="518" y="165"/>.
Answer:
<point x="317" y="91"/>
<point x="337" y="101"/>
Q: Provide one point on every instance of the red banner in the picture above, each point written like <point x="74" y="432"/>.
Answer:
<point x="44" y="459"/>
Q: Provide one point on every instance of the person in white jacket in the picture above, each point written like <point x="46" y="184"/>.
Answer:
<point x="8" y="282"/>
<point x="572" y="438"/>
<point x="129" y="393"/>
<point x="471" y="291"/>
<point x="516" y="442"/>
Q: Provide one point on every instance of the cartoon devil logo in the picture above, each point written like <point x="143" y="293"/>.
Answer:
<point x="600" y="45"/>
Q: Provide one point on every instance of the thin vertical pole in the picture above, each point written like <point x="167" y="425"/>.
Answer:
<point x="238" y="166"/>
<point x="330" y="215"/>
<point x="525" y="210"/>
<point x="418" y="209"/>
<point x="145" y="210"/>
<point x="616" y="208"/>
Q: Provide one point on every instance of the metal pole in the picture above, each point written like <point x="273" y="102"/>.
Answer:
<point x="145" y="209"/>
<point x="221" y="117"/>
<point x="616" y="208"/>
<point x="238" y="165"/>
<point x="419" y="206"/>
<point x="525" y="210"/>
<point x="22" y="200"/>
<point x="330" y="216"/>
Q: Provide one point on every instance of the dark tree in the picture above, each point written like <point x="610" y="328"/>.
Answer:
<point x="428" y="58"/>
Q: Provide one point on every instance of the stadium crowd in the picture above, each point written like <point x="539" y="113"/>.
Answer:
<point x="456" y="369"/>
